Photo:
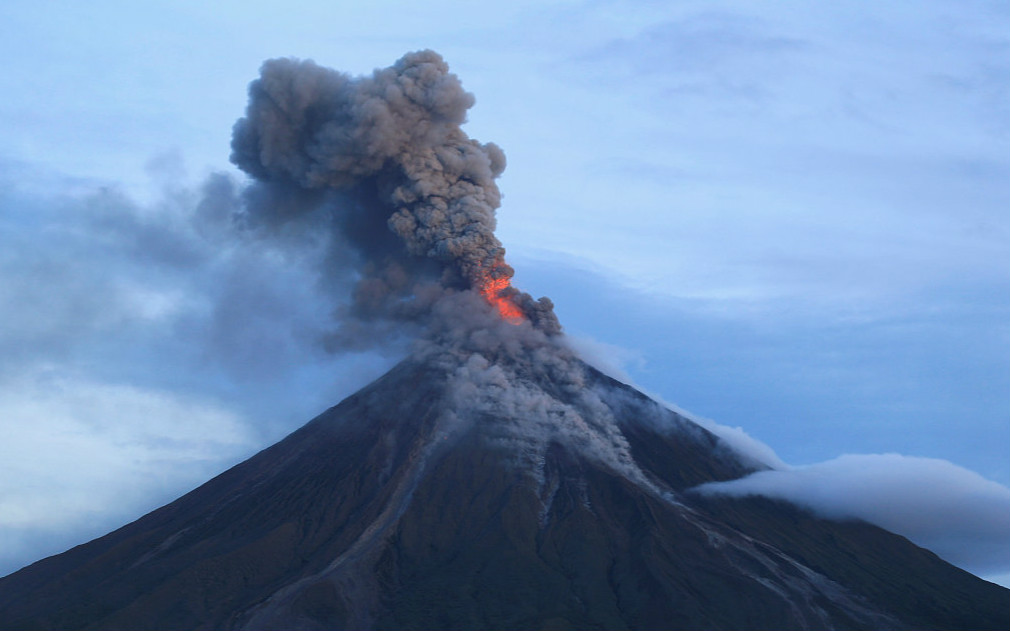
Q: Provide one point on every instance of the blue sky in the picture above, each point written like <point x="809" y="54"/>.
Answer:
<point x="792" y="218"/>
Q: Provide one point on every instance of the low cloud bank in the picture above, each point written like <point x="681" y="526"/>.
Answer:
<point x="956" y="513"/>
<point x="81" y="457"/>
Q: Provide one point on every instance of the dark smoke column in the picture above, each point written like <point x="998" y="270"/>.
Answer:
<point x="393" y="141"/>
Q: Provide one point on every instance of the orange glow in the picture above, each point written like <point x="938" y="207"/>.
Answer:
<point x="492" y="289"/>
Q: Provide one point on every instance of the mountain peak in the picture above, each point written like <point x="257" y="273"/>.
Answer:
<point x="511" y="486"/>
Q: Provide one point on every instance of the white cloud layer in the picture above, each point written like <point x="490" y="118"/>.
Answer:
<point x="950" y="510"/>
<point x="955" y="512"/>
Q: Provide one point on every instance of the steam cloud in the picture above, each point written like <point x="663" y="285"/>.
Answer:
<point x="381" y="160"/>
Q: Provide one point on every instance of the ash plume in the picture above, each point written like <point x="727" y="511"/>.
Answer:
<point x="381" y="162"/>
<point x="380" y="166"/>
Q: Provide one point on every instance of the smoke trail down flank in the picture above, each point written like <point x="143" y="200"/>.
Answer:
<point x="410" y="195"/>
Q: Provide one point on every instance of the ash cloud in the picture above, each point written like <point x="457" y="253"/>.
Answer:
<point x="381" y="166"/>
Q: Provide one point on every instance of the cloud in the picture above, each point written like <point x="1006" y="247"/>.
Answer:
<point x="80" y="457"/>
<point x="950" y="510"/>
<point x="96" y="271"/>
<point x="710" y="54"/>
<point x="145" y="348"/>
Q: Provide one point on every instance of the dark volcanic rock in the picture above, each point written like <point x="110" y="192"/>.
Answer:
<point x="456" y="493"/>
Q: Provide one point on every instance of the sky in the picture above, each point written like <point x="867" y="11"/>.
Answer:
<point x="790" y="218"/>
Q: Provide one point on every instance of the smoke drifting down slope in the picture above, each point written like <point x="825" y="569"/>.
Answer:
<point x="383" y="163"/>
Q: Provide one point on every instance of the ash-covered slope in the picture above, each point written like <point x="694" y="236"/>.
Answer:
<point x="485" y="490"/>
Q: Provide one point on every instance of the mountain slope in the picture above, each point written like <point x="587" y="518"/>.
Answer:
<point x="462" y="491"/>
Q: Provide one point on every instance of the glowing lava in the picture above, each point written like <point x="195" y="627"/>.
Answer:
<point x="495" y="291"/>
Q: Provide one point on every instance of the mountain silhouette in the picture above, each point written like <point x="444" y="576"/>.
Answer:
<point x="479" y="491"/>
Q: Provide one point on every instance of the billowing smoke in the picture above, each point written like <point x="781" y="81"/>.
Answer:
<point x="382" y="162"/>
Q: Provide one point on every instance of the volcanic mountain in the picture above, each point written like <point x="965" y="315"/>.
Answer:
<point x="492" y="480"/>
<point x="513" y="487"/>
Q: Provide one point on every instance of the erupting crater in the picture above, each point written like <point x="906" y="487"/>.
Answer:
<point x="495" y="288"/>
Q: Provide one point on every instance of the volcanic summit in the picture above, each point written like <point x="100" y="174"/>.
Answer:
<point x="492" y="479"/>
<point x="480" y="489"/>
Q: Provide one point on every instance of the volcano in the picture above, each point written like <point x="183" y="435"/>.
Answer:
<point x="517" y="488"/>
<point x="492" y="480"/>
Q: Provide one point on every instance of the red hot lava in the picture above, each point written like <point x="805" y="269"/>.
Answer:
<point x="495" y="290"/>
